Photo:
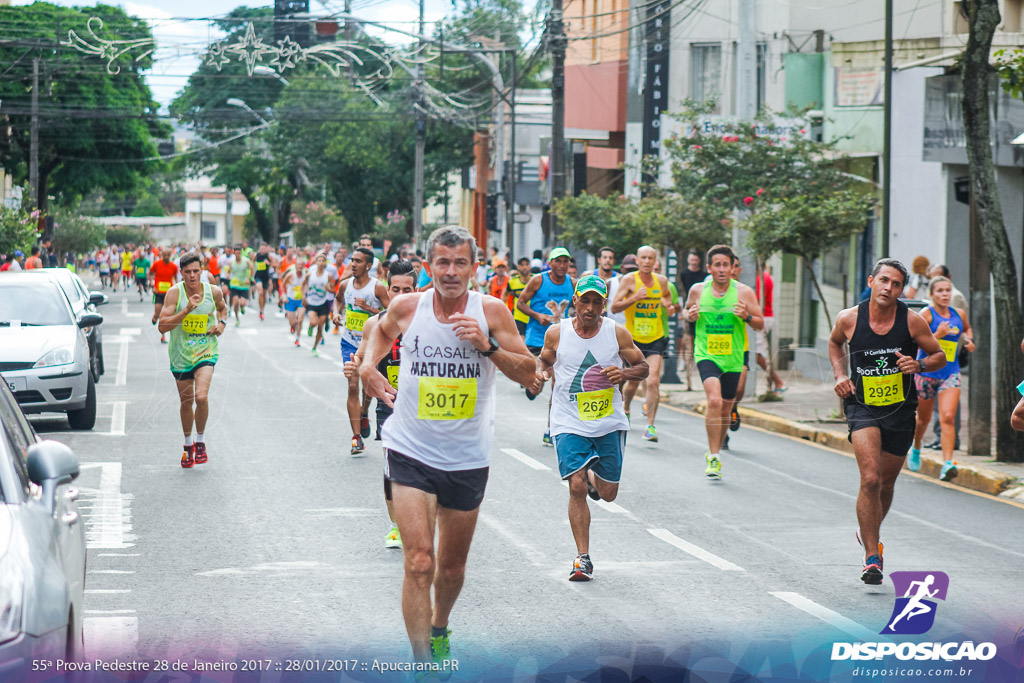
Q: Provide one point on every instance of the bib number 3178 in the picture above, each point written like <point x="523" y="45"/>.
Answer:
<point x="442" y="398"/>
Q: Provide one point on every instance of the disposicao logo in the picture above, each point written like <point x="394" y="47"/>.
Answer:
<point x="914" y="614"/>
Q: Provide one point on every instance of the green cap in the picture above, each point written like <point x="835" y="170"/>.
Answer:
<point x="559" y="252"/>
<point x="591" y="283"/>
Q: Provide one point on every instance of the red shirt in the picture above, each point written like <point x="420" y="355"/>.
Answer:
<point x="164" y="275"/>
<point x="769" y="287"/>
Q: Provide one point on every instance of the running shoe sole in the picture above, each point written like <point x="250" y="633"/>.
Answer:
<point x="735" y="424"/>
<point x="872" y="575"/>
<point x="580" y="575"/>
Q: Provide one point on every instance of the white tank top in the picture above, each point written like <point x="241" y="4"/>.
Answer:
<point x="355" y="316"/>
<point x="613" y="287"/>
<point x="316" y="287"/>
<point x="583" y="401"/>
<point x="444" y="414"/>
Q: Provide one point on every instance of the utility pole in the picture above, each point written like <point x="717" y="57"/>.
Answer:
<point x="421" y="142"/>
<point x="33" y="163"/>
<point x="746" y="95"/>
<point x="887" y="134"/>
<point x="556" y="33"/>
<point x="510" y="223"/>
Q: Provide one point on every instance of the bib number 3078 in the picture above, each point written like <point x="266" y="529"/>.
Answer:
<point x="442" y="398"/>
<point x="883" y="391"/>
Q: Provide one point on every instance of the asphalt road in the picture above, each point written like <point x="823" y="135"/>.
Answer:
<point x="275" y="548"/>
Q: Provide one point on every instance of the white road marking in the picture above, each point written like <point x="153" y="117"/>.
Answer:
<point x="696" y="551"/>
<point x="525" y="459"/>
<point x="118" y="419"/>
<point x="106" y="591"/>
<point x="110" y="571"/>
<point x="110" y="637"/>
<point x="123" y="611"/>
<point x="122" y="365"/>
<point x="133" y="315"/>
<point x="124" y="305"/>
<point x="107" y="526"/>
<point x="248" y="331"/>
<point x="828" y="616"/>
<point x="535" y="557"/>
<point x="119" y="555"/>
<point x="130" y="331"/>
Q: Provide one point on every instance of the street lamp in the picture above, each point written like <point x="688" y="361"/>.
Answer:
<point x="264" y="70"/>
<point x="235" y="102"/>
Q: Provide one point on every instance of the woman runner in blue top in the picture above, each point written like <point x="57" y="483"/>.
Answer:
<point x="948" y="325"/>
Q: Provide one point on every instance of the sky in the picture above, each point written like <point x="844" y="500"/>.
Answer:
<point x="181" y="42"/>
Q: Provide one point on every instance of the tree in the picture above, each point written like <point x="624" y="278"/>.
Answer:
<point x="75" y="234"/>
<point x="975" y="77"/>
<point x="129" y="235"/>
<point x="792" y="190"/>
<point x="316" y="223"/>
<point x="97" y="128"/>
<point x="592" y="222"/>
<point x="148" y="206"/>
<point x="18" y="229"/>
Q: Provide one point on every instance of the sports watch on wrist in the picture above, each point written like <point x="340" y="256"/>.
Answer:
<point x="490" y="351"/>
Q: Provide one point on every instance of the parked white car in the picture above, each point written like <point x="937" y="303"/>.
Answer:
<point x="42" y="548"/>
<point x="44" y="351"/>
<point x="83" y="302"/>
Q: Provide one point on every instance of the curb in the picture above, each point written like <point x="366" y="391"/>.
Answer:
<point x="981" y="479"/>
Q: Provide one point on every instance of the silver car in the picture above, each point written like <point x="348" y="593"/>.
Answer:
<point x="83" y="302"/>
<point x="42" y="548"/>
<point x="44" y="352"/>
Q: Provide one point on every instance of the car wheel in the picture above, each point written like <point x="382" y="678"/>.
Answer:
<point x="75" y="647"/>
<point x="94" y="368"/>
<point x="85" y="418"/>
<point x="99" y="355"/>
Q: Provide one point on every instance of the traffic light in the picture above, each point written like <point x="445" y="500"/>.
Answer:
<point x="491" y="212"/>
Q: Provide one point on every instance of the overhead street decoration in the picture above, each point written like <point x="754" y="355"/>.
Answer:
<point x="110" y="50"/>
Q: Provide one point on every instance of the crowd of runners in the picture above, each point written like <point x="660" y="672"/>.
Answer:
<point x="425" y="335"/>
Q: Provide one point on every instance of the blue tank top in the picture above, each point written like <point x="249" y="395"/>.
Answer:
<point x="948" y="343"/>
<point x="546" y="300"/>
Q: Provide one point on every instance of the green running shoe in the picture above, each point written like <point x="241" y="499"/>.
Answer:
<point x="315" y="352"/>
<point x="440" y="652"/>
<point x="714" y="468"/>
<point x="393" y="539"/>
<point x="650" y="434"/>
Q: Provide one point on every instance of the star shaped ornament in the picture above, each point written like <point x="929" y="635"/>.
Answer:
<point x="251" y="48"/>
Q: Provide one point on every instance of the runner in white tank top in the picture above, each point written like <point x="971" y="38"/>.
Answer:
<point x="318" y="282"/>
<point x="588" y="423"/>
<point x="438" y="441"/>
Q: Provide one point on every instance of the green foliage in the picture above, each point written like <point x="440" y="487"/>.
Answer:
<point x="148" y="206"/>
<point x="316" y="223"/>
<point x="18" y="229"/>
<point x="129" y="235"/>
<point x="1009" y="65"/>
<point x="592" y="222"/>
<point x="96" y="127"/>
<point x="75" y="234"/>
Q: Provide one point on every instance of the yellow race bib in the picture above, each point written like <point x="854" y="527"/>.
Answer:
<point x="235" y="284"/>
<point x="949" y="348"/>
<point x="720" y="344"/>
<point x="163" y="287"/>
<point x="354" y="320"/>
<point x="883" y="391"/>
<point x="195" y="324"/>
<point x="393" y="376"/>
<point x="646" y="328"/>
<point x="442" y="398"/>
<point x="261" y="265"/>
<point x="297" y="292"/>
<point x="140" y="271"/>
<point x="593" y="405"/>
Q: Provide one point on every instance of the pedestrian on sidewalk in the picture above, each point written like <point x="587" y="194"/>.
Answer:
<point x="918" y="282"/>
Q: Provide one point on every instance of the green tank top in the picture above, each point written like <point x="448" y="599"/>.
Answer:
<point x="241" y="274"/>
<point x="191" y="342"/>
<point x="720" y="334"/>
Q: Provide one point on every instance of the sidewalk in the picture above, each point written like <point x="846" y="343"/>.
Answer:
<point x="809" y="410"/>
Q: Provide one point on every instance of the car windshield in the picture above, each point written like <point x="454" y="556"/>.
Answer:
<point x="32" y="304"/>
<point x="68" y="285"/>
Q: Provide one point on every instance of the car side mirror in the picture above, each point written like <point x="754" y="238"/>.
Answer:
<point x="98" y="298"/>
<point x="90" y="320"/>
<point x="51" y="464"/>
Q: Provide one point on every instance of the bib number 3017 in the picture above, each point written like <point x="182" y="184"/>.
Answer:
<point x="442" y="398"/>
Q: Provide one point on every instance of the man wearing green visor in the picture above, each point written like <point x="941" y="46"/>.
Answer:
<point x="588" y="356"/>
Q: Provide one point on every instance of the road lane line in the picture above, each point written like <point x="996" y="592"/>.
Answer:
<point x="124" y="305"/>
<point x="110" y="571"/>
<point x="119" y="555"/>
<point x="108" y="611"/>
<point x="534" y="556"/>
<point x="107" y="526"/>
<point x="525" y="459"/>
<point x="110" y="637"/>
<point x="122" y="366"/>
<point x="696" y="551"/>
<point x="130" y="331"/>
<point x="828" y="616"/>
<point x="106" y="591"/>
<point x="118" y="418"/>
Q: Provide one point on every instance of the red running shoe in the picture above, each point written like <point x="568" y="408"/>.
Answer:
<point x="261" y="315"/>
<point x="200" y="451"/>
<point x="188" y="457"/>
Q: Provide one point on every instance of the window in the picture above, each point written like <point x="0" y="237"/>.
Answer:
<point x="706" y="72"/>
<point x="19" y="436"/>
<point x="208" y="231"/>
<point x="762" y="74"/>
<point x="835" y="264"/>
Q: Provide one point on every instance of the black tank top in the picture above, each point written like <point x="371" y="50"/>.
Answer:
<point x="388" y="365"/>
<point x="878" y="379"/>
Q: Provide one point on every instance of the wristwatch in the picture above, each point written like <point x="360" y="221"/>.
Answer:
<point x="490" y="351"/>
<point x="749" y="317"/>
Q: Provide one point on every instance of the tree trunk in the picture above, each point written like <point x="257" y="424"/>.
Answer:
<point x="809" y="264"/>
<point x="262" y="221"/>
<point x="983" y="17"/>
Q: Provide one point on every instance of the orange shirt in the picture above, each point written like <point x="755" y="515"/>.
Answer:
<point x="214" y="266"/>
<point x="33" y="262"/>
<point x="164" y="275"/>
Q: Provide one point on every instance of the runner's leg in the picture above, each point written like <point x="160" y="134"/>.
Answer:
<point x="186" y="397"/>
<point x="878" y="472"/>
<point x="924" y="418"/>
<point x="454" y="534"/>
<point x="579" y="511"/>
<point x="204" y="376"/>
<point x="653" y="386"/>
<point x="948" y="402"/>
<point x="715" y="415"/>
<point x="415" y="513"/>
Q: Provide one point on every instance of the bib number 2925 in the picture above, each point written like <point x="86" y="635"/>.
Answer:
<point x="442" y="398"/>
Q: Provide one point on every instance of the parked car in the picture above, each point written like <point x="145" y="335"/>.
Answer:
<point x="42" y="547"/>
<point x="83" y="302"/>
<point x="44" y="352"/>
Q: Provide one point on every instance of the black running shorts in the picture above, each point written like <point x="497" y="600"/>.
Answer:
<point x="730" y="381"/>
<point x="190" y="374"/>
<point x="895" y="424"/>
<point x="262" y="277"/>
<point x="654" y="348"/>
<point x="458" y="490"/>
<point x="521" y="327"/>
